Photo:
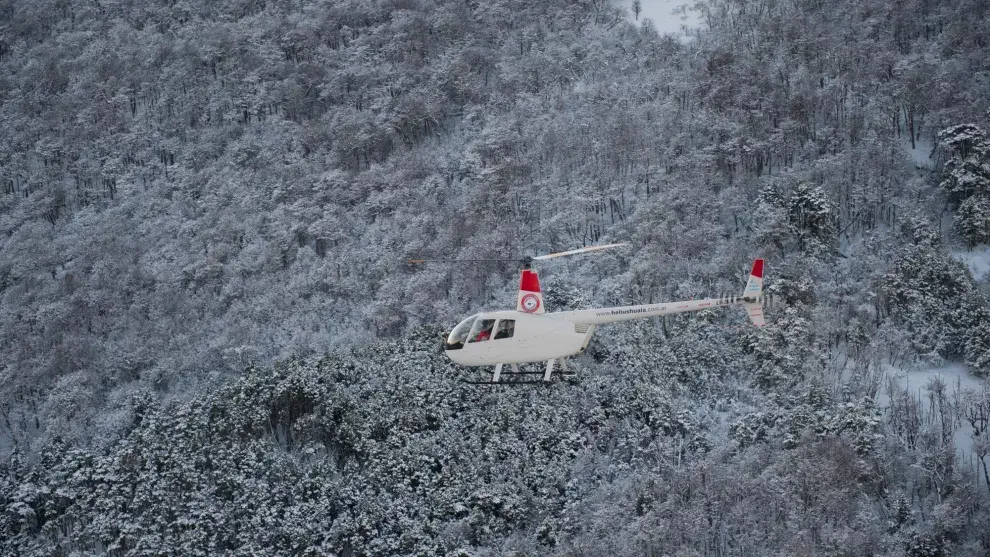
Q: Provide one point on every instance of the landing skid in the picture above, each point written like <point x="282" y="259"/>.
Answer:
<point x="539" y="382"/>
<point x="547" y="375"/>
<point x="521" y="381"/>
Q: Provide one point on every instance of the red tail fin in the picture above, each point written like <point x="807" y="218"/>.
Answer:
<point x="530" y="299"/>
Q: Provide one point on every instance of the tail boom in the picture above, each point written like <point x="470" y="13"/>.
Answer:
<point x="628" y="313"/>
<point x="751" y="300"/>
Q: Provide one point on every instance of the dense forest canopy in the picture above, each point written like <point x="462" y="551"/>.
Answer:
<point x="191" y="190"/>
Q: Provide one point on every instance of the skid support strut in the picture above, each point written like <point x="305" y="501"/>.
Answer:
<point x="500" y="378"/>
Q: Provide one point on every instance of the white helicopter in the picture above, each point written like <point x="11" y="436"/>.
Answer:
<point x="529" y="334"/>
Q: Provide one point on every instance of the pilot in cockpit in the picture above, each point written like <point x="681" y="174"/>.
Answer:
<point x="505" y="328"/>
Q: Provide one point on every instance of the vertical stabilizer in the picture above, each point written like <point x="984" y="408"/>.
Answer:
<point x="753" y="295"/>
<point x="530" y="299"/>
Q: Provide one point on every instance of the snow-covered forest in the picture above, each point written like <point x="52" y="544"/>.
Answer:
<point x="210" y="342"/>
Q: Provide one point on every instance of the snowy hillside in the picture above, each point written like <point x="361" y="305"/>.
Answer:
<point x="211" y="343"/>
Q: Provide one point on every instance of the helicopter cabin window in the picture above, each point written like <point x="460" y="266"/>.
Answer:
<point x="481" y="331"/>
<point x="460" y="333"/>
<point x="505" y="328"/>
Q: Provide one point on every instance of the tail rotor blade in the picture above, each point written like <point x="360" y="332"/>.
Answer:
<point x="579" y="250"/>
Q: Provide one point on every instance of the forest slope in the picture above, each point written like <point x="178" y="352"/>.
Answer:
<point x="190" y="189"/>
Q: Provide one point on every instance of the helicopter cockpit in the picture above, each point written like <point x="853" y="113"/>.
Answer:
<point x="474" y="329"/>
<point x="459" y="335"/>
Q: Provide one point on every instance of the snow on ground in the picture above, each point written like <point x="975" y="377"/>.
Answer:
<point x="662" y="13"/>
<point x="977" y="259"/>
<point x="956" y="378"/>
<point x="920" y="154"/>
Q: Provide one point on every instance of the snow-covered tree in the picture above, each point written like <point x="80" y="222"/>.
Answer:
<point x="973" y="219"/>
<point x="967" y="172"/>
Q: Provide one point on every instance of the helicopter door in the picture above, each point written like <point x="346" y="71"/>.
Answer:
<point x="504" y="345"/>
<point x="481" y="332"/>
<point x="505" y="329"/>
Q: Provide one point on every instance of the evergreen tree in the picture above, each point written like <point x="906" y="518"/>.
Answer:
<point x="967" y="172"/>
<point x="973" y="219"/>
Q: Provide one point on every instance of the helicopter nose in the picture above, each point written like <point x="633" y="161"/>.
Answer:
<point x="455" y="356"/>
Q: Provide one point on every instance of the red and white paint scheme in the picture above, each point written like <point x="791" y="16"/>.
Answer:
<point x="529" y="334"/>
<point x="530" y="299"/>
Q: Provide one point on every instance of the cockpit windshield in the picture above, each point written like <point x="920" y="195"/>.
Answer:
<point x="459" y="335"/>
<point x="481" y="331"/>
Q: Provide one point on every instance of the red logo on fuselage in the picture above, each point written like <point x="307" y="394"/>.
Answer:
<point x="530" y="303"/>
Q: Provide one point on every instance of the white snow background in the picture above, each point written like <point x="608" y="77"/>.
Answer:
<point x="667" y="15"/>
<point x="977" y="259"/>
<point x="955" y="377"/>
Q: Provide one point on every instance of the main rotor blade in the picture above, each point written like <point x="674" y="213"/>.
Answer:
<point x="579" y="250"/>
<point x="458" y="260"/>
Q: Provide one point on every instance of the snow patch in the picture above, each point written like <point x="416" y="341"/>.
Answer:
<point x="920" y="154"/>
<point x="956" y="379"/>
<point x="977" y="259"/>
<point x="955" y="376"/>
<point x="667" y="15"/>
